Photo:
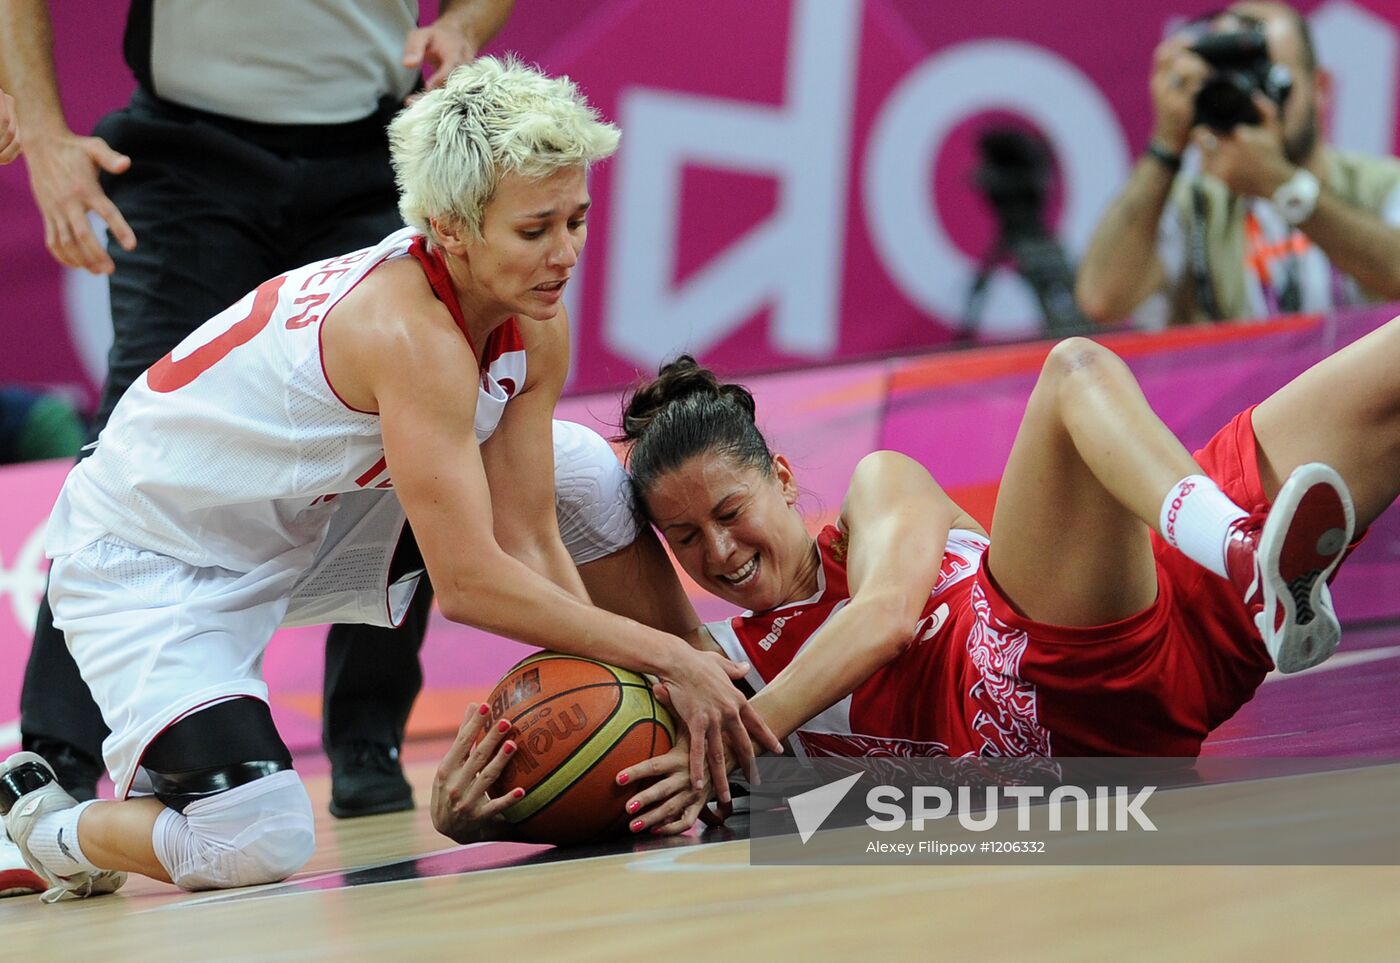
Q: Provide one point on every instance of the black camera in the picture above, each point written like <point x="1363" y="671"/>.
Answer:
<point x="1241" y="63"/>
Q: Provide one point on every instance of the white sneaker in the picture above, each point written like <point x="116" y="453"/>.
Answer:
<point x="28" y="790"/>
<point x="16" y="878"/>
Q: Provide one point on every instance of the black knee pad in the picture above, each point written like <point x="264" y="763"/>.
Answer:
<point x="214" y="750"/>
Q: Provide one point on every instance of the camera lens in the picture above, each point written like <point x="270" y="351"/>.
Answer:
<point x="1226" y="100"/>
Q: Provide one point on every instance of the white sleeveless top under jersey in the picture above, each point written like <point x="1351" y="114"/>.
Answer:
<point x="234" y="449"/>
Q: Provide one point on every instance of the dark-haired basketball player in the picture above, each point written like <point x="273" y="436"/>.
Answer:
<point x="1130" y="599"/>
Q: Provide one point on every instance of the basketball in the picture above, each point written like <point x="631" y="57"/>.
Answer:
<point x="576" y="723"/>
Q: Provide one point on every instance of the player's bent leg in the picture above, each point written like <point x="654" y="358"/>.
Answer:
<point x="1091" y="463"/>
<point x="237" y="813"/>
<point x="619" y="558"/>
<point x="258" y="832"/>
<point x="1344" y="411"/>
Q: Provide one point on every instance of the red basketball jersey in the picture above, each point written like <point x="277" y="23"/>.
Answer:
<point x="952" y="692"/>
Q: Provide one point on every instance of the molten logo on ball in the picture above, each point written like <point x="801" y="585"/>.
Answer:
<point x="538" y="734"/>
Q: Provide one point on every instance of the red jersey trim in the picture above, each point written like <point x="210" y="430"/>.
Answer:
<point x="502" y="340"/>
<point x="321" y="344"/>
<point x="435" y="267"/>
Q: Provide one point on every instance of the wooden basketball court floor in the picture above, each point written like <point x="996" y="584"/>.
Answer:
<point x="388" y="888"/>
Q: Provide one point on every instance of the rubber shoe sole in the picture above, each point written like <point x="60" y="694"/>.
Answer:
<point x="1304" y="539"/>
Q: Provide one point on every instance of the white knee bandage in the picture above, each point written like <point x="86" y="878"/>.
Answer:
<point x="593" y="497"/>
<point x="259" y="832"/>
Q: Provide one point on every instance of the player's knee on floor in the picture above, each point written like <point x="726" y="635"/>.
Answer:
<point x="259" y="832"/>
<point x="238" y="815"/>
<point x="593" y="496"/>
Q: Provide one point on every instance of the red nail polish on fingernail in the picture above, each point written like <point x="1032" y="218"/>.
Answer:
<point x="633" y="806"/>
<point x="637" y="825"/>
<point x="509" y="748"/>
<point x="519" y="794"/>
<point x="503" y="725"/>
<point x="622" y="779"/>
<point x="485" y="709"/>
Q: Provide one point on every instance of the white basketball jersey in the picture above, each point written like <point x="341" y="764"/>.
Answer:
<point x="234" y="449"/>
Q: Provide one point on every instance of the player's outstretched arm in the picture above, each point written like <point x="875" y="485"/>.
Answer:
<point x="897" y="520"/>
<point x="426" y="399"/>
<point x="519" y="459"/>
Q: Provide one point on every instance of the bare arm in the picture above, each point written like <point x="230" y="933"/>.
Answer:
<point x="1121" y="267"/>
<point x="1358" y="242"/>
<point x="519" y="461"/>
<point x="897" y="519"/>
<point x="462" y="28"/>
<point x="26" y="63"/>
<point x="9" y="129"/>
<point x="427" y="401"/>
<point x="63" y="167"/>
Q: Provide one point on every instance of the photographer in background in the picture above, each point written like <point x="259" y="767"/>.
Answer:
<point x="1275" y="221"/>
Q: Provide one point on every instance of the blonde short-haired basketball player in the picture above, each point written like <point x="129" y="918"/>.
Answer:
<point x="1129" y="600"/>
<point x="259" y="474"/>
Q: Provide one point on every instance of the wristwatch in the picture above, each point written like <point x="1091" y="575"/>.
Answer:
<point x="1297" y="197"/>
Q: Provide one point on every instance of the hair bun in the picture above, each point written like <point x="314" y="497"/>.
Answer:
<point x="677" y="380"/>
<point x="687" y="412"/>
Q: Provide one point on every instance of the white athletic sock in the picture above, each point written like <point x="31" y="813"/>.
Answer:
<point x="54" y="841"/>
<point x="1196" y="518"/>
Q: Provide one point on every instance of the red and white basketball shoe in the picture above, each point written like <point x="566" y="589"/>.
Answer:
<point x="1281" y="561"/>
<point x="16" y="878"/>
<point x="28" y="790"/>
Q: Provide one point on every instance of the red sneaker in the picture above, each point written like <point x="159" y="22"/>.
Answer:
<point x="1280" y="563"/>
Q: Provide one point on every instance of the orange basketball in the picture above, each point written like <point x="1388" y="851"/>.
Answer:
<point x="577" y="723"/>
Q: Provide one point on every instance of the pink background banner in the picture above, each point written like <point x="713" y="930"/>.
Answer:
<point x="793" y="186"/>
<point x="956" y="413"/>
